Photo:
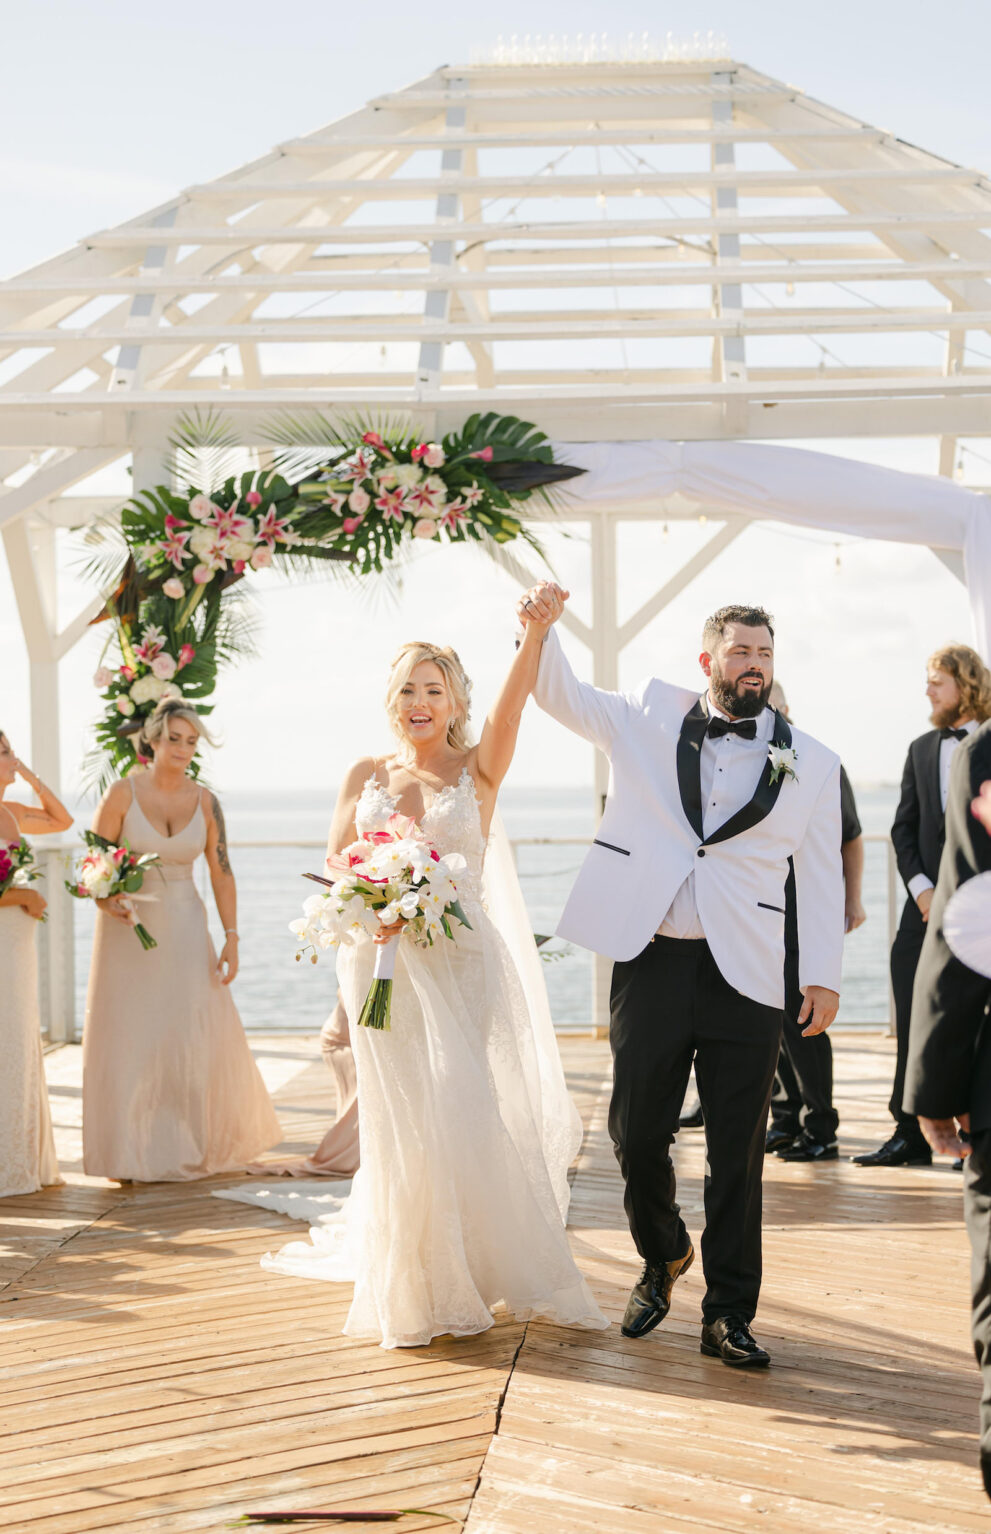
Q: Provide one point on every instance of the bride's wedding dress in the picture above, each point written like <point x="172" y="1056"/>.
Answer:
<point x="466" y="1127"/>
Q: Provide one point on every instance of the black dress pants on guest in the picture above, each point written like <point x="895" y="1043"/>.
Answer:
<point x="905" y="951"/>
<point x="803" y="1083"/>
<point x="669" y="1006"/>
<point x="977" y="1209"/>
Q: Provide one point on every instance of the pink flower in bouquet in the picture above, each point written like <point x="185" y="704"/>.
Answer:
<point x="453" y="516"/>
<point x="102" y="677"/>
<point x="434" y="456"/>
<point x="128" y="673"/>
<point x="485" y="453"/>
<point x="201" y="507"/>
<point x="229" y="523"/>
<point x="253" y="499"/>
<point x="172" y="522"/>
<point x="390" y="504"/>
<point x="185" y="656"/>
<point x="173" y="588"/>
<point x="422" y="498"/>
<point x="426" y="527"/>
<point x="420" y="451"/>
<point x="174" y="547"/>
<point x="352" y="524"/>
<point x="374" y="440"/>
<point x="261" y="558"/>
<point x="359" y="500"/>
<point x="336" y="501"/>
<point x="355" y="467"/>
<point x="473" y="494"/>
<point x="272" y="527"/>
<point x="164" y="667"/>
<point x="151" y="644"/>
<point x="125" y="707"/>
<point x="202" y="574"/>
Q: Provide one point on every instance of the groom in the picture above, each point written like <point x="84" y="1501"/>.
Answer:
<point x="684" y="888"/>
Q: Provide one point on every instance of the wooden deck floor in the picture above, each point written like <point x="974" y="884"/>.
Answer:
<point x="153" y="1377"/>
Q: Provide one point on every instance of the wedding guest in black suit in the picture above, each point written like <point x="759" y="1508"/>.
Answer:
<point x="804" y="1120"/>
<point x="959" y="693"/>
<point x="948" y="1074"/>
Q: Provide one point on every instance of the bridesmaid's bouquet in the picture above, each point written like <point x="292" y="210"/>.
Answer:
<point x="17" y="866"/>
<point x="108" y="869"/>
<point x="388" y="876"/>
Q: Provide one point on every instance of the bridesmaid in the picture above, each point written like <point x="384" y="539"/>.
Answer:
<point x="170" y="1090"/>
<point x="27" y="1150"/>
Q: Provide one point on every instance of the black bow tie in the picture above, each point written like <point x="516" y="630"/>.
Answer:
<point x="952" y="734"/>
<point x="746" y="728"/>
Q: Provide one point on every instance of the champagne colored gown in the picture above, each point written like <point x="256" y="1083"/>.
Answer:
<point x="170" y="1089"/>
<point x="27" y="1151"/>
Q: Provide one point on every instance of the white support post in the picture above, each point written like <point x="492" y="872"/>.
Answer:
<point x="605" y="673"/>
<point x="437" y="305"/>
<point x="30" y="548"/>
<point x="727" y="298"/>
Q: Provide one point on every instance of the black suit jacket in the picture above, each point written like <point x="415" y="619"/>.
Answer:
<point x="917" y="832"/>
<point x="949" y="1058"/>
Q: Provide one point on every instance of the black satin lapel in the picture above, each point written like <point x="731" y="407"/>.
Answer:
<point x="930" y="745"/>
<point x="693" y="728"/>
<point x="765" y="794"/>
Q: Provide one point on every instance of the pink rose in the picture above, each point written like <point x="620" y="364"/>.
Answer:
<point x="103" y="677"/>
<point x="425" y="528"/>
<point x="434" y="456"/>
<point x="185" y="656"/>
<point x="352" y="524"/>
<point x="173" y="588"/>
<point x="202" y="574"/>
<point x="253" y="499"/>
<point x="359" y="500"/>
<point x="200" y="507"/>
<point x="164" y="667"/>
<point x="261" y="558"/>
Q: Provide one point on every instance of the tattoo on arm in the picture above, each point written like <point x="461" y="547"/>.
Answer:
<point x="218" y="815"/>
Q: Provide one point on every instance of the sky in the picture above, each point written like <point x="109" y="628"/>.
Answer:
<point x="114" y="106"/>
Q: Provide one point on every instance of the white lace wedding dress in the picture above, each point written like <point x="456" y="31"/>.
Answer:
<point x="465" y="1125"/>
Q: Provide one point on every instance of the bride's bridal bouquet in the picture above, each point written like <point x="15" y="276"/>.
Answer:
<point x="17" y="866"/>
<point x="387" y="877"/>
<point x="109" y="869"/>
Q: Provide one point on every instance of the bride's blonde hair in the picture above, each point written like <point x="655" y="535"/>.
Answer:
<point x="458" y="686"/>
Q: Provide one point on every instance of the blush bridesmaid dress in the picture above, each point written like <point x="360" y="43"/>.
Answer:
<point x="170" y="1089"/>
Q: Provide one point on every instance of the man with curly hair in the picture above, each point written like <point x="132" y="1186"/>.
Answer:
<point x="959" y="691"/>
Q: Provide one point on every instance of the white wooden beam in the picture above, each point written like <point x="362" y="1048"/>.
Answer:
<point x="52" y="480"/>
<point x="721" y="539"/>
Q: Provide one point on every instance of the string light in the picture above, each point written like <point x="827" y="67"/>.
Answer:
<point x="664" y="531"/>
<point x="838" y="561"/>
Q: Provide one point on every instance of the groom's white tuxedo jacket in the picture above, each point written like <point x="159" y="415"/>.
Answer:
<point x="651" y="838"/>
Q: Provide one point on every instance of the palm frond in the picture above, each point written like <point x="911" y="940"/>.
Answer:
<point x="204" y="449"/>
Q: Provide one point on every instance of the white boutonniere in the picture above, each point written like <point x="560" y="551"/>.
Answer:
<point x="782" y="759"/>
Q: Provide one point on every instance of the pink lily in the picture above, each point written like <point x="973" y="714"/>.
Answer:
<point x="229" y="524"/>
<point x="390" y="504"/>
<point x="453" y="516"/>
<point x="421" y="498"/>
<point x="171" y="522"/>
<point x="271" y="527"/>
<point x="174" y="547"/>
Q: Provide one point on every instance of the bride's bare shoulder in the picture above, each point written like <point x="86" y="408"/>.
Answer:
<point x="358" y="774"/>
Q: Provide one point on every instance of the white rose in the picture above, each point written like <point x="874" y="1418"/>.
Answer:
<point x="171" y="690"/>
<point x="164" y="667"/>
<point x="387" y="480"/>
<point x="239" y="548"/>
<point x="147" y="689"/>
<point x="102" y="677"/>
<point x="359" y="500"/>
<point x="408" y="475"/>
<point x="203" y="541"/>
<point x="434" y="456"/>
<point x="174" y="588"/>
<point x="425" y="528"/>
<point x="261" y="558"/>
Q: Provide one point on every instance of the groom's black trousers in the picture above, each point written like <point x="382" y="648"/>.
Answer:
<point x="671" y="1005"/>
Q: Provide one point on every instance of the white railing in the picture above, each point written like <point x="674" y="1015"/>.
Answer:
<point x="57" y="970"/>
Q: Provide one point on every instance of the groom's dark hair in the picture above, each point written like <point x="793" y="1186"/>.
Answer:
<point x="753" y="617"/>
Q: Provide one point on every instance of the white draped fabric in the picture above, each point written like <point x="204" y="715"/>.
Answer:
<point x="790" y="484"/>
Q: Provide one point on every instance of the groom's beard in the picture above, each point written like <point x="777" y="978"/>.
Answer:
<point x="736" y="700"/>
<point x="944" y="718"/>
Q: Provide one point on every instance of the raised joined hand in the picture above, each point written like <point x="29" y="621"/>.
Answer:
<point x="542" y="605"/>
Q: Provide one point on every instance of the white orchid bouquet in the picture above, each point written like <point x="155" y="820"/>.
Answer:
<point x="110" y="869"/>
<point x="386" y="877"/>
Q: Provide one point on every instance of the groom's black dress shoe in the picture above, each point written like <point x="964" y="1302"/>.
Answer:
<point x="730" y="1338"/>
<point x="806" y="1148"/>
<point x="693" y="1119"/>
<point x="900" y="1150"/>
<point x="650" y="1300"/>
<point x="779" y="1140"/>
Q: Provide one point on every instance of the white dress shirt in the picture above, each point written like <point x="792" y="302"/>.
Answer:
<point x="729" y="770"/>
<point x="947" y="748"/>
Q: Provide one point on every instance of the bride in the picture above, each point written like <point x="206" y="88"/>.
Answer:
<point x="466" y="1127"/>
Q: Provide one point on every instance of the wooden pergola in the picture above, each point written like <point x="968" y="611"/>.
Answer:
<point x="646" y="248"/>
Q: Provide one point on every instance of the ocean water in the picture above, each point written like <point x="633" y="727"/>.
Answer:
<point x="275" y="993"/>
